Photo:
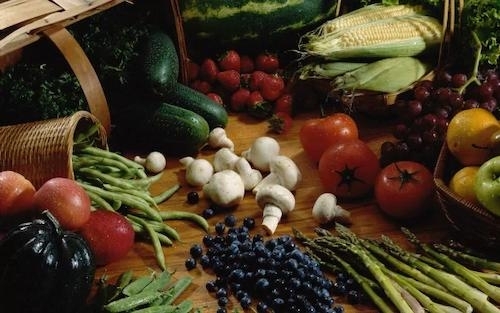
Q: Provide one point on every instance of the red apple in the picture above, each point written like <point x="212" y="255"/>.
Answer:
<point x="16" y="194"/>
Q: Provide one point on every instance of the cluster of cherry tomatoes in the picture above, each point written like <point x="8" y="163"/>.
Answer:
<point x="243" y="83"/>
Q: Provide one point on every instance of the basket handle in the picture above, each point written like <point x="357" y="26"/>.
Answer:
<point x="85" y="73"/>
<point x="181" y="40"/>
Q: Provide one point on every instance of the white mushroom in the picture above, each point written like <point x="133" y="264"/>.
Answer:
<point x="261" y="152"/>
<point x="326" y="210"/>
<point x="218" y="139"/>
<point x="198" y="171"/>
<point x="155" y="162"/>
<point x="283" y="171"/>
<point x="276" y="201"/>
<point x="224" y="159"/>
<point x="250" y="176"/>
<point x="225" y="188"/>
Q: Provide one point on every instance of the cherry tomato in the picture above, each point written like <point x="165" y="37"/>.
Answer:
<point x="404" y="189"/>
<point x="348" y="169"/>
<point x="316" y="135"/>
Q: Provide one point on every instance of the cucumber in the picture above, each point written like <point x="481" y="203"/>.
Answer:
<point x="190" y="99"/>
<point x="158" y="64"/>
<point x="164" y="127"/>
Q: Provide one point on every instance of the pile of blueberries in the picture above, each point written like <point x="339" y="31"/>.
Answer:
<point x="273" y="274"/>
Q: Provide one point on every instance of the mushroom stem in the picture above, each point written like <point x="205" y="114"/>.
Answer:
<point x="275" y="201"/>
<point x="271" y="216"/>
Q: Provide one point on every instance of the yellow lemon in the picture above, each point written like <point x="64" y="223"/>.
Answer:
<point x="462" y="183"/>
<point x="469" y="136"/>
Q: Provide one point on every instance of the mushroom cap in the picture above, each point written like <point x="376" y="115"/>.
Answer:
<point x="261" y="152"/>
<point x="225" y="188"/>
<point x="224" y="159"/>
<point x="288" y="173"/>
<point x="276" y="195"/>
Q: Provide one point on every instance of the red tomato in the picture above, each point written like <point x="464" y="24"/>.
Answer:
<point x="404" y="189"/>
<point x="109" y="235"/>
<point x="348" y="169"/>
<point x="66" y="200"/>
<point x="316" y="135"/>
<point x="16" y="194"/>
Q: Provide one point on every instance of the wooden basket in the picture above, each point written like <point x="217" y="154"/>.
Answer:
<point x="42" y="150"/>
<point x="24" y="22"/>
<point x="474" y="224"/>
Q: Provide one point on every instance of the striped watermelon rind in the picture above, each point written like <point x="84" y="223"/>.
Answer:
<point x="233" y="22"/>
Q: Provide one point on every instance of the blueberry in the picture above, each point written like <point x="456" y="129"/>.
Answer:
<point x="193" y="197"/>
<point x="222" y="301"/>
<point x="208" y="213"/>
<point x="196" y="251"/>
<point x="220" y="228"/>
<point x="190" y="263"/>
<point x="230" y="220"/>
<point x="249" y="222"/>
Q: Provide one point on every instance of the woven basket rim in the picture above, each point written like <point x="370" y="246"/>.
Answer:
<point x="468" y="218"/>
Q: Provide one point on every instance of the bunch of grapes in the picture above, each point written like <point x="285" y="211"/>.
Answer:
<point x="426" y="110"/>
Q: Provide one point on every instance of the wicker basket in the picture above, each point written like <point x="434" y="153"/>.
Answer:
<point x="42" y="150"/>
<point x="473" y="223"/>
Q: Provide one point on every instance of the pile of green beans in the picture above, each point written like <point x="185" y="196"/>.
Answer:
<point x="150" y="293"/>
<point x="116" y="183"/>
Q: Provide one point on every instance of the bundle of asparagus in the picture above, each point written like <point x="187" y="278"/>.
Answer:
<point x="438" y="278"/>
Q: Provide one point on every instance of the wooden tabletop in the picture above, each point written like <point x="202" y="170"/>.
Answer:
<point x="368" y="221"/>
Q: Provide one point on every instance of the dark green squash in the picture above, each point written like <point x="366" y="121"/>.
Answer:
<point x="44" y="269"/>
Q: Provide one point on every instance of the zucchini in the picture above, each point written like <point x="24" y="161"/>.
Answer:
<point x="158" y="64"/>
<point x="190" y="99"/>
<point x="164" y="127"/>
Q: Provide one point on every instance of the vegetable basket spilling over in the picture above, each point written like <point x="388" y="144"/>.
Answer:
<point x="43" y="149"/>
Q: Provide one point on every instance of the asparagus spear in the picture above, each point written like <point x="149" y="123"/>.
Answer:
<point x="457" y="268"/>
<point x="457" y="286"/>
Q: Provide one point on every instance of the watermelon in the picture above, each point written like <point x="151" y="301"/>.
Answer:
<point x="265" y="23"/>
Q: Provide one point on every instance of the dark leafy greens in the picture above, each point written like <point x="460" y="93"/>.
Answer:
<point x="481" y="18"/>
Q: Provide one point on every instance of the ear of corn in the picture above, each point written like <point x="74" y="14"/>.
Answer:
<point x="391" y="37"/>
<point x="385" y="75"/>
<point x="366" y="14"/>
<point x="327" y="70"/>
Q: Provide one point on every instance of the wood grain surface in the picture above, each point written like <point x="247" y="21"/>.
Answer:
<point x="368" y="221"/>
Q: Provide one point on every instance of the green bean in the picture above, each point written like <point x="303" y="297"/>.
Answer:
<point x="132" y="302"/>
<point x="90" y="160"/>
<point x="160" y="256"/>
<point x="185" y="306"/>
<point x="99" y="202"/>
<point x="165" y="240"/>
<point x="112" y="155"/>
<point x="138" y="193"/>
<point x="123" y="281"/>
<point x="177" y="289"/>
<point x="167" y="194"/>
<point x="160" y="281"/>
<point x="116" y="204"/>
<point x="165" y="229"/>
<point x="90" y="133"/>
<point x="128" y="200"/>
<point x="123" y="183"/>
<point x="185" y="215"/>
<point x="137" y="285"/>
<point x="168" y="308"/>
<point x="147" y="181"/>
